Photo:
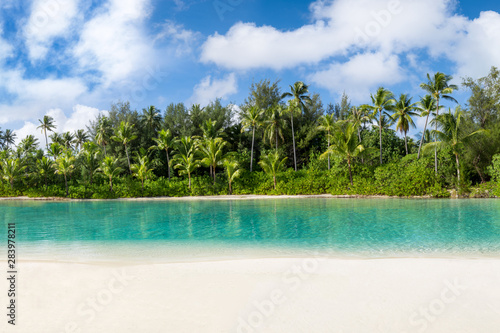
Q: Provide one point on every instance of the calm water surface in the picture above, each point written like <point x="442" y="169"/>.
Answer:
<point x="373" y="227"/>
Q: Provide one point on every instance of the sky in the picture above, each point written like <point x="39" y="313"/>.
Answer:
<point x="71" y="59"/>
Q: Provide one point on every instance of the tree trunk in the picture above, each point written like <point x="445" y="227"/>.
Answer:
<point x="189" y="176"/>
<point x="458" y="169"/>
<point x="168" y="164"/>
<point x="110" y="184"/>
<point x="251" y="153"/>
<point x="66" y="184"/>
<point x="46" y="141"/>
<point x="276" y="139"/>
<point x="230" y="189"/>
<point x="46" y="186"/>
<point x="293" y="139"/>
<point x="406" y="145"/>
<point x="274" y="180"/>
<point x="423" y="135"/>
<point x="104" y="146"/>
<point x="128" y="159"/>
<point x="380" y="135"/>
<point x="328" y="149"/>
<point x="350" y="172"/>
<point x="435" y="139"/>
<point x="214" y="174"/>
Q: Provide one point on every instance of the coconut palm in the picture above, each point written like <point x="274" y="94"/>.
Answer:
<point x="251" y="118"/>
<point x="212" y="151"/>
<point x="164" y="141"/>
<point x="125" y="134"/>
<point x="80" y="138"/>
<point x="233" y="171"/>
<point x="382" y="101"/>
<point x="28" y="145"/>
<point x="275" y="124"/>
<point x="345" y="145"/>
<point x="68" y="140"/>
<point x="103" y="132"/>
<point x="45" y="167"/>
<point x="11" y="169"/>
<point x="141" y="169"/>
<point x="185" y="159"/>
<point x="327" y="124"/>
<point x="210" y="130"/>
<point x="65" y="164"/>
<point x="298" y="92"/>
<point x="151" y="120"/>
<point x="9" y="138"/>
<point x="47" y="123"/>
<point x="438" y="87"/>
<point x="272" y="164"/>
<point x="55" y="150"/>
<point x="403" y="113"/>
<point x="453" y="134"/>
<point x="427" y="106"/>
<point x="90" y="159"/>
<point x="109" y="167"/>
<point x="56" y="137"/>
<point x="359" y="117"/>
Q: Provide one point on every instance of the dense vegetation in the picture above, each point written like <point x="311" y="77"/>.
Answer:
<point x="276" y="142"/>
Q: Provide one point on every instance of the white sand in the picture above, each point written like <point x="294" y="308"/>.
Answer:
<point x="259" y="295"/>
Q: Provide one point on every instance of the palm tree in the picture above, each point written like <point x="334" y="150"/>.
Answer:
<point x="210" y="130"/>
<point x="358" y="117"/>
<point x="55" y="150"/>
<point x="271" y="164"/>
<point x="28" y="145"/>
<point x="45" y="167"/>
<point x="68" y="140"/>
<point x="141" y="169"/>
<point x="65" y="165"/>
<point x="80" y="138"/>
<point x="427" y="105"/>
<point x="382" y="101"/>
<point x="56" y="137"/>
<point x="186" y="159"/>
<point x="90" y="159"/>
<point x="125" y="134"/>
<point x="233" y="171"/>
<point x="345" y="145"/>
<point x="103" y="132"/>
<point x="439" y="87"/>
<point x="164" y="141"/>
<point x="298" y="92"/>
<point x="251" y="118"/>
<point x="47" y="124"/>
<point x="109" y="167"/>
<point x="403" y="113"/>
<point x="9" y="138"/>
<point x="212" y="150"/>
<point x="327" y="124"/>
<point x="453" y="134"/>
<point x="11" y="169"/>
<point x="151" y="120"/>
<point x="275" y="124"/>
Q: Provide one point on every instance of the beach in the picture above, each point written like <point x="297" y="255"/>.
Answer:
<point x="313" y="294"/>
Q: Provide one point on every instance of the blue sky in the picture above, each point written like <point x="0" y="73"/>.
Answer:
<point x="72" y="58"/>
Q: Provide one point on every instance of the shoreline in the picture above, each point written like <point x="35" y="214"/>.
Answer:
<point x="231" y="197"/>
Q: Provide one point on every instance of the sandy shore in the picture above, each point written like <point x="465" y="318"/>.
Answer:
<point x="259" y="295"/>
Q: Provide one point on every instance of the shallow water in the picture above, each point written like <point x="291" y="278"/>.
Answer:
<point x="274" y="227"/>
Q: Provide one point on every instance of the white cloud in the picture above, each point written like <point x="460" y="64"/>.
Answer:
<point x="360" y="75"/>
<point x="181" y="39"/>
<point x="113" y="41"/>
<point x="49" y="20"/>
<point x="6" y="50"/>
<point x="209" y="89"/>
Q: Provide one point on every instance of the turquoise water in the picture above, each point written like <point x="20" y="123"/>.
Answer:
<point x="377" y="227"/>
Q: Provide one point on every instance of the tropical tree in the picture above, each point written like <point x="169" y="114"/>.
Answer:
<point x="327" y="124"/>
<point x="359" y="117"/>
<point x="164" y="141"/>
<point x="212" y="152"/>
<point x="28" y="145"/>
<point x="141" y="169"/>
<point x="453" y="133"/>
<point x="272" y="164"/>
<point x="109" y="167"/>
<point x="47" y="123"/>
<point x="185" y="159"/>
<point x="90" y="159"/>
<point x="56" y="137"/>
<point x="151" y="120"/>
<point x="80" y="138"/>
<point x="251" y="118"/>
<point x="345" y="145"/>
<point x="403" y="113"/>
<point x="65" y="164"/>
<point x="275" y="124"/>
<point x="233" y="171"/>
<point x="299" y="93"/>
<point x="9" y="138"/>
<point x="382" y="101"/>
<point x="210" y="130"/>
<point x="55" y="150"/>
<point x="68" y="138"/>
<point x="438" y="87"/>
<point x="45" y="167"/>
<point x="103" y="132"/>
<point x="125" y="134"/>
<point x="11" y="169"/>
<point x="426" y="106"/>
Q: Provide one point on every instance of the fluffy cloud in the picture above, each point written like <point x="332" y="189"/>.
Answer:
<point x="209" y="89"/>
<point x="182" y="40"/>
<point x="49" y="20"/>
<point x="113" y="42"/>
